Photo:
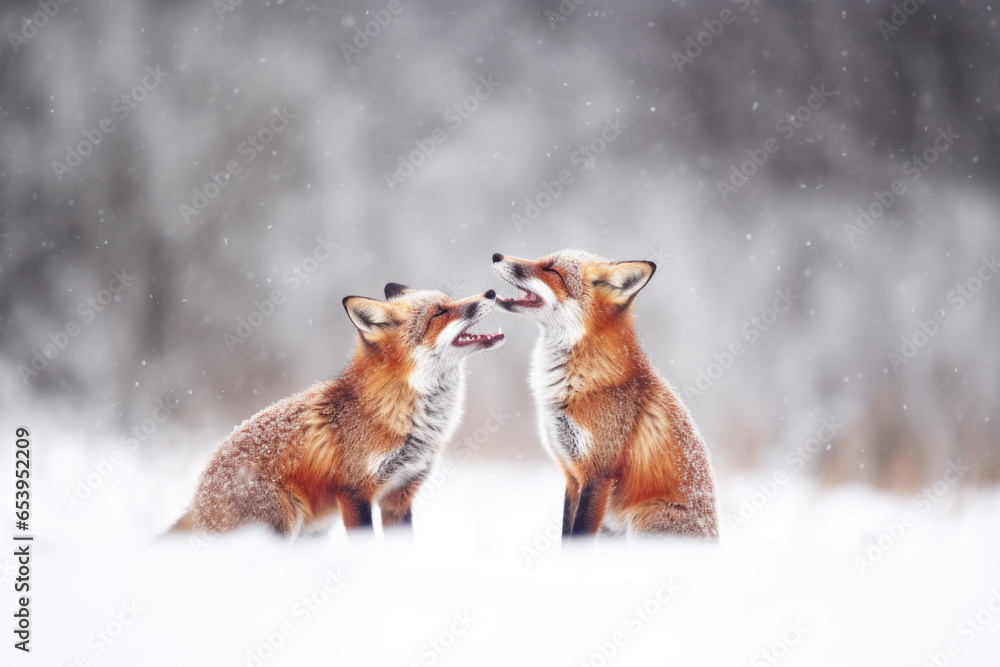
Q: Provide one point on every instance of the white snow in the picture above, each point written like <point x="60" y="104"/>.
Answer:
<point x="486" y="583"/>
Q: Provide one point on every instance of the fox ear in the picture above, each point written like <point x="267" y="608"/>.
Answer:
<point x="368" y="315"/>
<point x="623" y="280"/>
<point x="392" y="290"/>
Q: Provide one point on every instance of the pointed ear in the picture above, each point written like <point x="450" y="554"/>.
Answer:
<point x="369" y="315"/>
<point x="392" y="290"/>
<point x="623" y="280"/>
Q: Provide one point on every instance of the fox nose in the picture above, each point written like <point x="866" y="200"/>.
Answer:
<point x="497" y="257"/>
<point x="490" y="294"/>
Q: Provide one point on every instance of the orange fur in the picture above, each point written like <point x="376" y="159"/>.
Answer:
<point x="296" y="462"/>
<point x="646" y="463"/>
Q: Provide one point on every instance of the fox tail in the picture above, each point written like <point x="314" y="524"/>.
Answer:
<point x="185" y="524"/>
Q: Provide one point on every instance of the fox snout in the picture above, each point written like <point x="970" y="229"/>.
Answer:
<point x="517" y="268"/>
<point x="475" y="307"/>
<point x="528" y="277"/>
<point x="470" y="311"/>
<point x="513" y="267"/>
<point x="485" y="303"/>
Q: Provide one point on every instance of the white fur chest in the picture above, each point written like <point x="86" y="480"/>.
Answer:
<point x="561" y="437"/>
<point x="436" y="417"/>
<point x="438" y="411"/>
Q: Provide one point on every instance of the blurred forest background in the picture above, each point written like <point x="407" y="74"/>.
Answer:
<point x="354" y="106"/>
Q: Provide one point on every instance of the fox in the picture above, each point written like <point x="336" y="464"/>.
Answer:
<point x="371" y="435"/>
<point x="632" y="456"/>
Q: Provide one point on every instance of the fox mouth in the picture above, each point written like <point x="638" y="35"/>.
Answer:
<point x="485" y="339"/>
<point x="471" y="339"/>
<point x="529" y="300"/>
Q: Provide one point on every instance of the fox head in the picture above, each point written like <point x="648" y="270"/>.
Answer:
<point x="566" y="290"/>
<point x="425" y="326"/>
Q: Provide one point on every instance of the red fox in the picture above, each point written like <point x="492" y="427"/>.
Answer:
<point x="631" y="453"/>
<point x="371" y="435"/>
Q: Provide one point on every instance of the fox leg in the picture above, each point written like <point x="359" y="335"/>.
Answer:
<point x="660" y="517"/>
<point x="593" y="502"/>
<point x="284" y="516"/>
<point x="355" y="510"/>
<point x="570" y="504"/>
<point x="254" y="500"/>
<point x="396" y="506"/>
<point x="316" y="529"/>
<point x="276" y="511"/>
<point x="613" y="524"/>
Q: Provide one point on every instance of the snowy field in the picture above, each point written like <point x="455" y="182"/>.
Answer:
<point x="484" y="583"/>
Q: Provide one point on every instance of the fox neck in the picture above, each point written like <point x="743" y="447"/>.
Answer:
<point x="380" y="381"/>
<point x="604" y="352"/>
<point x="398" y="383"/>
<point x="420" y="402"/>
<point x="564" y="368"/>
<point x="438" y="409"/>
<point x="439" y="391"/>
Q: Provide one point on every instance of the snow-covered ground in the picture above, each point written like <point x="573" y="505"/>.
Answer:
<point x="486" y="582"/>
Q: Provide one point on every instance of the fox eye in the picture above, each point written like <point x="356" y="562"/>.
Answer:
<point x="441" y="311"/>
<point x="550" y="269"/>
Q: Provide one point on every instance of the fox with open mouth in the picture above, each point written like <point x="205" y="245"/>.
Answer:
<point x="371" y="435"/>
<point x="631" y="453"/>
